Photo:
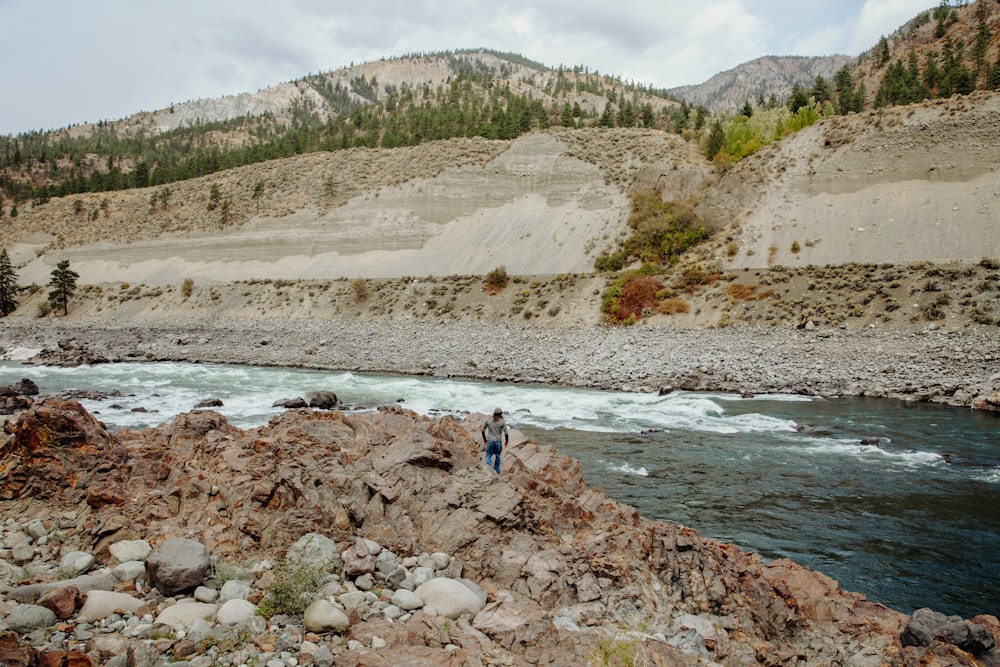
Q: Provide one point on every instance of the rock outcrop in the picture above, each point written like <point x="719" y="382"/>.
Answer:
<point x="558" y="570"/>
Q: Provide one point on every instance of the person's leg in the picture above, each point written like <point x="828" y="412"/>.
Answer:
<point x="493" y="451"/>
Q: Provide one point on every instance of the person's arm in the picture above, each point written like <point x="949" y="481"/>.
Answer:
<point x="485" y="424"/>
<point x="506" y="433"/>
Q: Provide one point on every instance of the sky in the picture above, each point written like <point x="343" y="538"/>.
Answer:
<point x="66" y="62"/>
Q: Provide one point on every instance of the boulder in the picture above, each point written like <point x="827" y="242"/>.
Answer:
<point x="315" y="550"/>
<point x="101" y="604"/>
<point x="234" y="589"/>
<point x="323" y="400"/>
<point x="450" y="598"/>
<point x="209" y="403"/>
<point x="76" y="562"/>
<point x="62" y="601"/>
<point x="24" y="387"/>
<point x="184" y="614"/>
<point x="180" y="564"/>
<point x="234" y="612"/>
<point x="407" y="600"/>
<point x="290" y="403"/>
<point x="322" y="617"/>
<point x="27" y="617"/>
<point x="127" y="550"/>
<point x="358" y="559"/>
<point x="129" y="570"/>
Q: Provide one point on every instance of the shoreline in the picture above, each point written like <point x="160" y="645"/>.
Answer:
<point x="952" y="367"/>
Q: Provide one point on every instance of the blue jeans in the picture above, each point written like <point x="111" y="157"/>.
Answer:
<point x="493" y="448"/>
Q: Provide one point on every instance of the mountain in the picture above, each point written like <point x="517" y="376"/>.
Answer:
<point x="760" y="79"/>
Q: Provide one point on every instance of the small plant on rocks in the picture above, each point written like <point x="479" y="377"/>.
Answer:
<point x="295" y="587"/>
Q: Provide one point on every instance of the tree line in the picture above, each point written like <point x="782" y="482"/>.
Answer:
<point x="473" y="103"/>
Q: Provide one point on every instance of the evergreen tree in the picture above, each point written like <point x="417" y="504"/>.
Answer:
<point x="821" y="90"/>
<point x="258" y="191"/>
<point x="747" y="110"/>
<point x="63" y="284"/>
<point x="844" y="85"/>
<point x="716" y="140"/>
<point x="798" y="99"/>
<point x="8" y="285"/>
<point x="884" y="55"/>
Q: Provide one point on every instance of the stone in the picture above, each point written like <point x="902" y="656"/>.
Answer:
<point x="37" y="530"/>
<point x="323" y="400"/>
<point x="22" y="553"/>
<point x="206" y="594"/>
<point x="184" y="614"/>
<point x="62" y="601"/>
<point x="322" y="617"/>
<point x="208" y="403"/>
<point x="27" y="617"/>
<point x="449" y="597"/>
<point x="101" y="604"/>
<point x="315" y="550"/>
<point x="235" y="612"/>
<point x="234" y="589"/>
<point x="353" y="599"/>
<point x="290" y="403"/>
<point x="323" y="657"/>
<point x="104" y="647"/>
<point x="407" y="600"/>
<point x="129" y="550"/>
<point x="143" y="655"/>
<point x="180" y="564"/>
<point x="358" y="559"/>
<point x="922" y="627"/>
<point x="129" y="570"/>
<point x="76" y="562"/>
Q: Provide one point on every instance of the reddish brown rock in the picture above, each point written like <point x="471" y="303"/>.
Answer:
<point x="63" y="601"/>
<point x="12" y="652"/>
<point x="536" y="539"/>
<point x="60" y="658"/>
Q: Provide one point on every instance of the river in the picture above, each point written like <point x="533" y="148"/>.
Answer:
<point x="910" y="517"/>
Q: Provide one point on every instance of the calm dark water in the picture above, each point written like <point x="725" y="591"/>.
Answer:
<point x="896" y="521"/>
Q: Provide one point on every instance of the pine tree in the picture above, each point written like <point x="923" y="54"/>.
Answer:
<point x="798" y="99"/>
<point x="821" y="90"/>
<point x="63" y="284"/>
<point x="8" y="285"/>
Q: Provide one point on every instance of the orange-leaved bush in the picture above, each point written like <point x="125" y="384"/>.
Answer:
<point x="637" y="294"/>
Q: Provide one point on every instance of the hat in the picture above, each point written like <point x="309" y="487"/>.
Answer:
<point x="498" y="411"/>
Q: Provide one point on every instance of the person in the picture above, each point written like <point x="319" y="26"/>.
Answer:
<point x="493" y="430"/>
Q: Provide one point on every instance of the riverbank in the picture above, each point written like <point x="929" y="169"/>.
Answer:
<point x="937" y="365"/>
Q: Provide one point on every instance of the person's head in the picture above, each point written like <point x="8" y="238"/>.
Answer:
<point x="498" y="414"/>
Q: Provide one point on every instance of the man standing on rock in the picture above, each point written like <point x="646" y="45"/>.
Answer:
<point x="493" y="430"/>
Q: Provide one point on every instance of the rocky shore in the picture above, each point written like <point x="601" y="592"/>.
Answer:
<point x="958" y="367"/>
<point x="380" y="538"/>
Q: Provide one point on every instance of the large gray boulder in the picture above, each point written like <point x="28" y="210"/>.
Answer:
<point x="449" y="597"/>
<point x="27" y="617"/>
<point x="180" y="564"/>
<point x="322" y="617"/>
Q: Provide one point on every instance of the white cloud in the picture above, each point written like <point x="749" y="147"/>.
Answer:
<point x="881" y="17"/>
<point x="81" y="61"/>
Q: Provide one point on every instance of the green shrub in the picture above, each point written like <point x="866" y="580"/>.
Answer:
<point x="187" y="288"/>
<point x="295" y="587"/>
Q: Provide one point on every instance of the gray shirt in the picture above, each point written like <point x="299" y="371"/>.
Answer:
<point x="493" y="429"/>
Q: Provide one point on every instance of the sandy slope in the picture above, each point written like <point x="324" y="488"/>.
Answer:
<point x="898" y="186"/>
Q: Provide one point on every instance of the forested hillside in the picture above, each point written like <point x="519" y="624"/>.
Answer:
<point x="387" y="104"/>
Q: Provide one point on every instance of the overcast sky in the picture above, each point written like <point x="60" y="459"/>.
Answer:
<point x="75" y="61"/>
